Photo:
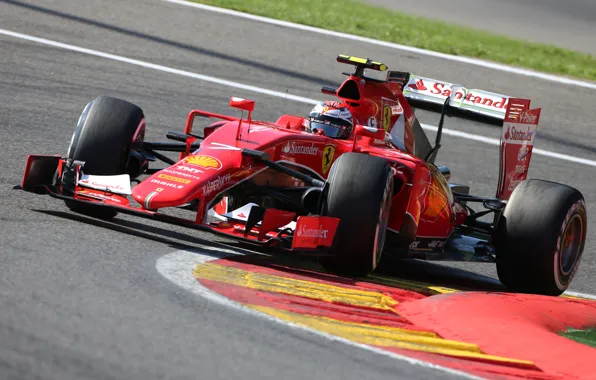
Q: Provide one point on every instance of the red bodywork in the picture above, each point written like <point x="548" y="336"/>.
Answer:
<point x="423" y="206"/>
<point x="424" y="198"/>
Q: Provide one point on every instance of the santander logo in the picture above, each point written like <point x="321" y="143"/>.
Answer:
<point x="515" y="134"/>
<point x="477" y="97"/>
<point x="312" y="232"/>
<point x="419" y="85"/>
<point x="297" y="148"/>
<point x="486" y="100"/>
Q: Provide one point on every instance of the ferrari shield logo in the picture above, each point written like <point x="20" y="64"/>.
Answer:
<point x="386" y="117"/>
<point x="328" y="154"/>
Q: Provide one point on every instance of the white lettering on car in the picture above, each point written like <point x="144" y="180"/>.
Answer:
<point x="216" y="184"/>
<point x="298" y="148"/>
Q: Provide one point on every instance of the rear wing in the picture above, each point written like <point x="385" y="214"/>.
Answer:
<point x="517" y="143"/>
<point x="425" y="92"/>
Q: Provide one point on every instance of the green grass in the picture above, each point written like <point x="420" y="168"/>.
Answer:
<point x="587" y="337"/>
<point x="353" y="17"/>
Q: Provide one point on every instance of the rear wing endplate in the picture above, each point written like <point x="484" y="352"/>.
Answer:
<point x="422" y="91"/>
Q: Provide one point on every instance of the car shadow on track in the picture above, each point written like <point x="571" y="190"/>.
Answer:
<point x="415" y="272"/>
<point x="174" y="239"/>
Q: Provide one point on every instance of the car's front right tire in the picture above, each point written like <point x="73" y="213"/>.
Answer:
<point x="359" y="194"/>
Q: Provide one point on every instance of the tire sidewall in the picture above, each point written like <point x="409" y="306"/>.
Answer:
<point x="359" y="194"/>
<point x="530" y="237"/>
<point x="562" y="280"/>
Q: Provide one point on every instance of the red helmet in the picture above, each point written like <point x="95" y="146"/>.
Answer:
<point x="332" y="118"/>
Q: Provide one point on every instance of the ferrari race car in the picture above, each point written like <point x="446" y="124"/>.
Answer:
<point x="347" y="201"/>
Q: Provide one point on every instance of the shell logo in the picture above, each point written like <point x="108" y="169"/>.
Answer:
<point x="205" y="162"/>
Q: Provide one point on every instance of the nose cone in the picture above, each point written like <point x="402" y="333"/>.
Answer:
<point x="192" y="177"/>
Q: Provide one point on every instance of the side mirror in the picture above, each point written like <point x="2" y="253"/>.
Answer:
<point x="375" y="133"/>
<point x="243" y="104"/>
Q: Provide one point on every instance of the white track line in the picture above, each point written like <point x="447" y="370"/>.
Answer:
<point x="470" y="61"/>
<point x="260" y="90"/>
<point x="178" y="266"/>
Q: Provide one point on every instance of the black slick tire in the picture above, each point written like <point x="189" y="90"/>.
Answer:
<point x="540" y="237"/>
<point x="359" y="194"/>
<point x="103" y="139"/>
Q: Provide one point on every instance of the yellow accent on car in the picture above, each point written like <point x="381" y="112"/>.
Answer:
<point x="362" y="61"/>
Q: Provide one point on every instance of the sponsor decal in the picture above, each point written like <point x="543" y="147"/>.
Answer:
<point x="166" y="184"/>
<point x="319" y="232"/>
<point x="328" y="153"/>
<point x="189" y="169"/>
<point x="216" y="184"/>
<point x="513" y="133"/>
<point x="204" y="161"/>
<point x="529" y="118"/>
<point x="397" y="110"/>
<point x="300" y="148"/>
<point x="490" y="101"/>
<point x="386" y="117"/>
<point x="477" y="97"/>
<point x="181" y="174"/>
<point x="418" y="85"/>
<point x="523" y="153"/>
<point x="172" y="178"/>
<point x="119" y="184"/>
<point x="314" y="231"/>
<point x="102" y="185"/>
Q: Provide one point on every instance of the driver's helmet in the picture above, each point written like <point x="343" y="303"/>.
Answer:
<point x="332" y="118"/>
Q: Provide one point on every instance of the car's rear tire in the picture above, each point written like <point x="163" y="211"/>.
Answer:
<point x="359" y="194"/>
<point x="103" y="139"/>
<point x="540" y="237"/>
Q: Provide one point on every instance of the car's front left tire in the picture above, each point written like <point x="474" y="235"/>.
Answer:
<point x="103" y="139"/>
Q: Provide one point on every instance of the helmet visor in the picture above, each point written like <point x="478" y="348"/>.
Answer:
<point x="330" y="126"/>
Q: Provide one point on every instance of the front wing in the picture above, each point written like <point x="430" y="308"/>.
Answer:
<point x="311" y="235"/>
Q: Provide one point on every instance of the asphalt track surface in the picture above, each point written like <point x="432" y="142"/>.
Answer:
<point x="82" y="298"/>
<point x="569" y="24"/>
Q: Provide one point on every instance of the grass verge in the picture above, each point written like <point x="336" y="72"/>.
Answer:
<point x="353" y="17"/>
<point x="587" y="337"/>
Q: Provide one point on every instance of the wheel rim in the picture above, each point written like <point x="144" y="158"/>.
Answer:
<point x="572" y="239"/>
<point x="381" y="229"/>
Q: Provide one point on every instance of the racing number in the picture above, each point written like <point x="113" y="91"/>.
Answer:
<point x="328" y="154"/>
<point x="386" y="117"/>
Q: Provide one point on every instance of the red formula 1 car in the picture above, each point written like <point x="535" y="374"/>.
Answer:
<point x="347" y="200"/>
